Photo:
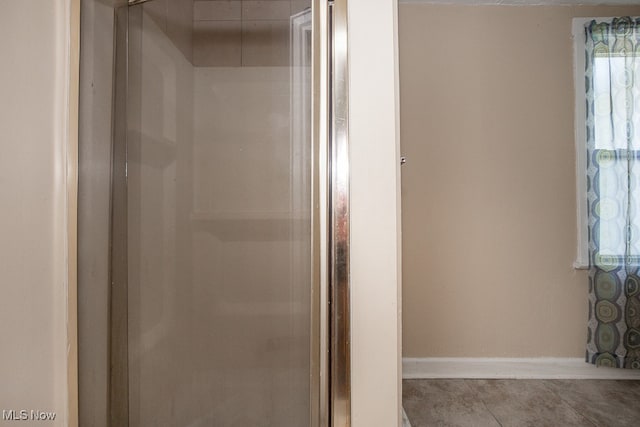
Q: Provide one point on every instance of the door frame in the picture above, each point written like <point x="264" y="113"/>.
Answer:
<point x="376" y="291"/>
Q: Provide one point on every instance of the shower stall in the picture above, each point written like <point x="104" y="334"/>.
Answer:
<point x="228" y="216"/>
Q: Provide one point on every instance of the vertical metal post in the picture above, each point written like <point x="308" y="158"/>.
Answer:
<point x="320" y="373"/>
<point x="118" y="403"/>
<point x="339" y="292"/>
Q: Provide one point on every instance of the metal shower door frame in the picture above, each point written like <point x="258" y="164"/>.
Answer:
<point x="331" y="353"/>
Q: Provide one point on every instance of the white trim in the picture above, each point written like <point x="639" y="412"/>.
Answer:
<point x="510" y="368"/>
<point x="522" y="2"/>
<point x="67" y="87"/>
<point x="580" y="120"/>
<point x="72" y="89"/>
<point x="376" y="316"/>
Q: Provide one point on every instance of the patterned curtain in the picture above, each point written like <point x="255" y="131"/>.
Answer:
<point x="613" y="144"/>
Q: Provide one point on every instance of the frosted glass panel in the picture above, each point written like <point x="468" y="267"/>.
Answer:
<point x="219" y="213"/>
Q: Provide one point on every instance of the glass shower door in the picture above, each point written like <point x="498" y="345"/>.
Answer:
<point x="212" y="209"/>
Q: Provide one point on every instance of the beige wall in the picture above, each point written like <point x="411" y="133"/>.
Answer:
<point x="37" y="190"/>
<point x="489" y="222"/>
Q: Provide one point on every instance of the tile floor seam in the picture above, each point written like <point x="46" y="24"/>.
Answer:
<point x="482" y="401"/>
<point x="586" y="417"/>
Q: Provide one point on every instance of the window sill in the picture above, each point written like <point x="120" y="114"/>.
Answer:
<point x="580" y="265"/>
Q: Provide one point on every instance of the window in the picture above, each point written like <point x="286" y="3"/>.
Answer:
<point x="607" y="85"/>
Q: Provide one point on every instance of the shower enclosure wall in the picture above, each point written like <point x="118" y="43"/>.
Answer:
<point x="217" y="201"/>
<point x="218" y="208"/>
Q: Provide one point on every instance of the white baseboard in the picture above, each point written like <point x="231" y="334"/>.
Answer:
<point x="510" y="368"/>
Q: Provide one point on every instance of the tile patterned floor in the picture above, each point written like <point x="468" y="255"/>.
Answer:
<point x="506" y="403"/>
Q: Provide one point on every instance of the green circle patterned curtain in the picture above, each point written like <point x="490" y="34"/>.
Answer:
<point x="613" y="145"/>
